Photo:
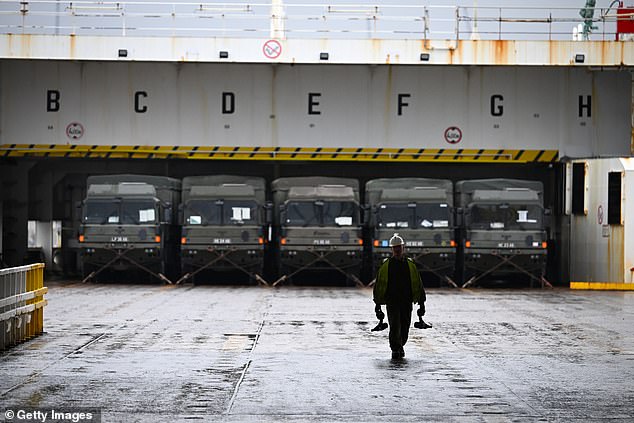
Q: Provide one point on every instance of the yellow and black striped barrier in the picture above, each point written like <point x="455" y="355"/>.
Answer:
<point x="602" y="286"/>
<point x="281" y="153"/>
<point x="21" y="304"/>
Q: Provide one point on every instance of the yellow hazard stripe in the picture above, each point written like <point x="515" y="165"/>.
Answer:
<point x="603" y="286"/>
<point x="281" y="153"/>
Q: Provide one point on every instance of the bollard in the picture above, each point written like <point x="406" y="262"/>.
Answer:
<point x="21" y="304"/>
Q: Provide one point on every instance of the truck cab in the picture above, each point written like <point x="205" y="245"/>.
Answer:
<point x="421" y="211"/>
<point x="127" y="223"/>
<point x="504" y="230"/>
<point x="318" y="222"/>
<point x="223" y="224"/>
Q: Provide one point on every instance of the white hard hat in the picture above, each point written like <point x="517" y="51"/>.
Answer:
<point x="396" y="240"/>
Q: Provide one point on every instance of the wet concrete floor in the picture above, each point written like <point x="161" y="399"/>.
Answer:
<point x="180" y="353"/>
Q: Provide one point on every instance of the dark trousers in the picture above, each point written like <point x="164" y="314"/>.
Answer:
<point x="399" y="317"/>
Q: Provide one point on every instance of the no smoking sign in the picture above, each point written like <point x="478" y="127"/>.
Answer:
<point x="272" y="49"/>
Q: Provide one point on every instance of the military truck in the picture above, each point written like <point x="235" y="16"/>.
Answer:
<point x="128" y="223"/>
<point x="223" y="224"/>
<point x="421" y="211"/>
<point x="503" y="230"/>
<point x="318" y="226"/>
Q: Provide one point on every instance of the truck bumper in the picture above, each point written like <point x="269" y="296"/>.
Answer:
<point x="249" y="258"/>
<point x="348" y="260"/>
<point x="146" y="255"/>
<point x="502" y="262"/>
<point x="440" y="261"/>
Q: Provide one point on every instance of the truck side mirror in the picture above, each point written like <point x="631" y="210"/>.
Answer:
<point x="167" y="213"/>
<point x="268" y="212"/>
<point x="366" y="209"/>
<point x="459" y="216"/>
<point x="181" y="214"/>
<point x="78" y="210"/>
<point x="282" y="214"/>
<point x="547" y="218"/>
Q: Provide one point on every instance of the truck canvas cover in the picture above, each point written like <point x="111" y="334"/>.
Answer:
<point x="225" y="186"/>
<point x="488" y="190"/>
<point x="409" y="189"/>
<point x="127" y="184"/>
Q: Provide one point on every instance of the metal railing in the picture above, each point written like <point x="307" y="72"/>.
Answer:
<point x="300" y="20"/>
<point x="21" y="304"/>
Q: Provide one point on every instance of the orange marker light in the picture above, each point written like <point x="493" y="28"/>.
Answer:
<point x="260" y="240"/>
<point x="467" y="244"/>
<point x="544" y="244"/>
<point x="81" y="238"/>
<point x="184" y="240"/>
<point x="157" y="238"/>
<point x="376" y="242"/>
<point x="452" y="243"/>
<point x="360" y="242"/>
<point x="283" y="241"/>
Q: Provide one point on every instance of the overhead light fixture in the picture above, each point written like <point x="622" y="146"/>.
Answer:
<point x="123" y="52"/>
<point x="424" y="57"/>
<point x="323" y="56"/>
<point x="580" y="58"/>
<point x="224" y="55"/>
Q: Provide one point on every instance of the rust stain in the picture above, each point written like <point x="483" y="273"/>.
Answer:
<point x="377" y="48"/>
<point x="25" y="46"/>
<point x="500" y="52"/>
<point x="616" y="254"/>
<point x="72" y="46"/>
<point x="388" y="104"/>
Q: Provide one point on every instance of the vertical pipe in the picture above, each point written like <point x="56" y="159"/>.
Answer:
<point x="21" y="316"/>
<point x="3" y="325"/>
<point x="40" y="311"/>
<point x="29" y="288"/>
<point x="14" y="291"/>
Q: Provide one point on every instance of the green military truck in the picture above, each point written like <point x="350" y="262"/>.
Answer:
<point x="318" y="226"/>
<point x="421" y="211"/>
<point x="128" y="223"/>
<point x="503" y="230"/>
<point x="223" y="225"/>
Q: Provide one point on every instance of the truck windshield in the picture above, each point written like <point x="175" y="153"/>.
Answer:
<point x="339" y="213"/>
<point x="321" y="213"/>
<point x="219" y="212"/>
<point x="413" y="215"/>
<point x="395" y="216"/>
<point x="202" y="212"/>
<point x="123" y="212"/>
<point x="240" y="212"/>
<point x="302" y="213"/>
<point x="437" y="215"/>
<point x="505" y="216"/>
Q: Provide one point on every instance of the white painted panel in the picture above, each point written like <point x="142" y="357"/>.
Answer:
<point x="357" y="106"/>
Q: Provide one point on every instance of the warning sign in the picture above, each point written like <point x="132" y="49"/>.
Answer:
<point x="75" y="130"/>
<point x="453" y="135"/>
<point x="600" y="215"/>
<point x="272" y="49"/>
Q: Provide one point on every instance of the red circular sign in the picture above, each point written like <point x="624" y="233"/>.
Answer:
<point x="74" y="130"/>
<point x="272" y="49"/>
<point x="453" y="135"/>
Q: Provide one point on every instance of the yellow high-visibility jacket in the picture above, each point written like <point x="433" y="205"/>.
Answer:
<point x="380" y="287"/>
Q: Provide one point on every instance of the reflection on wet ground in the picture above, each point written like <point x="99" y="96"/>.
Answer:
<point x="164" y="353"/>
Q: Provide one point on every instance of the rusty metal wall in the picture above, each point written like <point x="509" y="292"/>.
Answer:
<point x="602" y="252"/>
<point x="575" y="111"/>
